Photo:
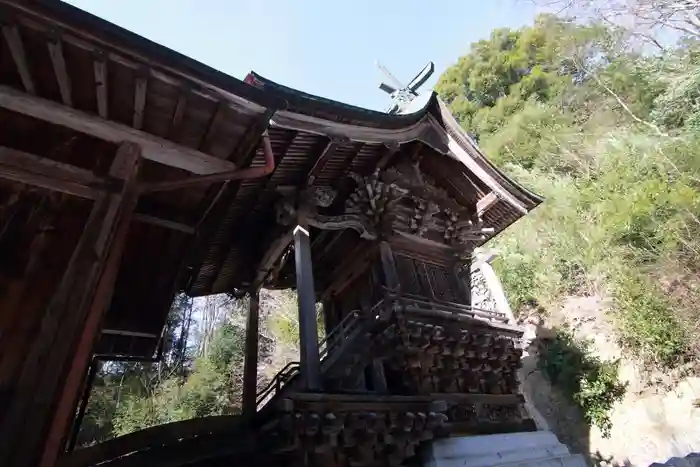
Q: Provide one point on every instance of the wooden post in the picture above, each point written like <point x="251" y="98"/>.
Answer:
<point x="391" y="277"/>
<point x="308" y="333"/>
<point x="35" y="425"/>
<point x="250" y="365"/>
<point x="84" y="399"/>
<point x="378" y="377"/>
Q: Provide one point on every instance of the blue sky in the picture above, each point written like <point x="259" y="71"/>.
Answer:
<point x="322" y="47"/>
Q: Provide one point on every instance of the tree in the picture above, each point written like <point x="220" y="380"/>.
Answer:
<point x="650" y="20"/>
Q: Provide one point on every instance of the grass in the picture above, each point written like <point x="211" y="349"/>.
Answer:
<point x="585" y="380"/>
<point x="611" y="229"/>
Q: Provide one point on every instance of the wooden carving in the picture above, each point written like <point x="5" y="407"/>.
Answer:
<point x="368" y="209"/>
<point x="346" y="434"/>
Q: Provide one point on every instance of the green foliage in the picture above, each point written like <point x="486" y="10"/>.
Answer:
<point x="647" y="322"/>
<point x="284" y="322"/>
<point x="583" y="378"/>
<point x="622" y="209"/>
<point x="211" y="388"/>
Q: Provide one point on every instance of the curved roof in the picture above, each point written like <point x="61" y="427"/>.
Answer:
<point x="85" y="85"/>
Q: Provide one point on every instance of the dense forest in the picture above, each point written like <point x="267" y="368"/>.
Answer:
<point x="601" y="120"/>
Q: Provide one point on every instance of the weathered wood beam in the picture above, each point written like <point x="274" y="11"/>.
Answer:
<point x="391" y="275"/>
<point x="388" y="154"/>
<point x="14" y="42"/>
<point x="178" y="113"/>
<point x="111" y="240"/>
<point x="310" y="362"/>
<point x="378" y="376"/>
<point x="32" y="170"/>
<point x="47" y="388"/>
<point x="485" y="203"/>
<point x="140" y="90"/>
<point x="117" y="332"/>
<point x="165" y="223"/>
<point x="359" y="258"/>
<point x="212" y="128"/>
<point x="153" y="148"/>
<point x="321" y="162"/>
<point x="272" y="254"/>
<point x="250" y="364"/>
<point x="100" y="69"/>
<point x="468" y="160"/>
<point x="55" y="46"/>
<point x="221" y="199"/>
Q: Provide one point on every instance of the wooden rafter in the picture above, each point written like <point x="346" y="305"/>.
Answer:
<point x="59" y="68"/>
<point x="165" y="223"/>
<point x="322" y="160"/>
<point x="388" y="154"/>
<point x="178" y="113"/>
<point x="140" y="90"/>
<point x="211" y="133"/>
<point x="272" y="254"/>
<point x="485" y="203"/>
<point x="219" y="200"/>
<point x="14" y="42"/>
<point x="267" y="186"/>
<point x="100" y="68"/>
<point x="56" y="363"/>
<point x="32" y="170"/>
<point x="153" y="148"/>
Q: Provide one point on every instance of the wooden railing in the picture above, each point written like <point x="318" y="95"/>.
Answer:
<point x="445" y="308"/>
<point x="354" y="323"/>
<point x="274" y="387"/>
<point x="329" y="347"/>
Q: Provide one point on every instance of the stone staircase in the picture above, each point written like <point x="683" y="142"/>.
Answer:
<point x="540" y="448"/>
<point x="691" y="460"/>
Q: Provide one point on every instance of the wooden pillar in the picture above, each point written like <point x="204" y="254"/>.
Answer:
<point x="378" y="377"/>
<point x="391" y="277"/>
<point x="35" y="426"/>
<point x="250" y="366"/>
<point x="308" y="333"/>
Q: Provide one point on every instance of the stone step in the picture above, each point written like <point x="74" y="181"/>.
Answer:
<point x="539" y="448"/>
<point x="691" y="460"/>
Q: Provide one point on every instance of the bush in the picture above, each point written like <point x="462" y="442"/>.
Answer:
<point x="647" y="323"/>
<point x="584" y="379"/>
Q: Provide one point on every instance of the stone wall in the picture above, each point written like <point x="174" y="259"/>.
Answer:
<point x="482" y="297"/>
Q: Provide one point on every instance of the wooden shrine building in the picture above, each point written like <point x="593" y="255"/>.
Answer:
<point x="129" y="173"/>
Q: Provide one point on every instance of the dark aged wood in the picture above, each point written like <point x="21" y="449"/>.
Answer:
<point x="394" y="205"/>
<point x="272" y="256"/>
<point x="178" y="113"/>
<point x="140" y="91"/>
<point x="250" y="368"/>
<point x="308" y="343"/>
<point x="100" y="66"/>
<point x="14" y="42"/>
<point x="153" y="148"/>
<point x="221" y="199"/>
<point x="32" y="170"/>
<point x="323" y="159"/>
<point x="165" y="223"/>
<point x="214" y="127"/>
<point x="125" y="166"/>
<point x="84" y="400"/>
<point x="53" y="371"/>
<point x="59" y="68"/>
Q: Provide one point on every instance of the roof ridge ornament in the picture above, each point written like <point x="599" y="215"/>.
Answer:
<point x="401" y="95"/>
